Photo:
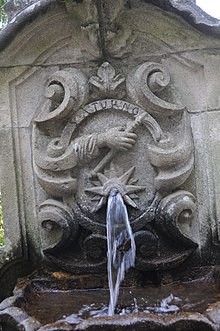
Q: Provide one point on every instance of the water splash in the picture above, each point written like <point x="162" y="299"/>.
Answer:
<point x="121" y="245"/>
<point x="167" y="306"/>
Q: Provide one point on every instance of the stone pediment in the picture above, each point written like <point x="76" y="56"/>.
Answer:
<point x="22" y="12"/>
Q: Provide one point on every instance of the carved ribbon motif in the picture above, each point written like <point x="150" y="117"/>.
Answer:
<point x="70" y="156"/>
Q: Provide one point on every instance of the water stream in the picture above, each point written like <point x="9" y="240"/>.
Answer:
<point x="74" y="305"/>
<point x="121" y="245"/>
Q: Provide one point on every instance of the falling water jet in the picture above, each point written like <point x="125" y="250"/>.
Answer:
<point x="119" y="233"/>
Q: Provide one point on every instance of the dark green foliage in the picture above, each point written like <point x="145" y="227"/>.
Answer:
<point x="3" y="16"/>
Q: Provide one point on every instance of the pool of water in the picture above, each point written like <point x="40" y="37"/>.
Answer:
<point x="47" y="302"/>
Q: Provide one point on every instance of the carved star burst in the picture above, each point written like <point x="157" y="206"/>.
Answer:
<point x="124" y="184"/>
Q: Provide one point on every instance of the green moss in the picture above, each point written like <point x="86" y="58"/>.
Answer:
<point x="1" y="236"/>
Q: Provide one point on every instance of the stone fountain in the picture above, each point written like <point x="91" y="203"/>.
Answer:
<point x="99" y="96"/>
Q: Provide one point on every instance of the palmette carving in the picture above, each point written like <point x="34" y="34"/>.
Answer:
<point x="84" y="147"/>
<point x="106" y="81"/>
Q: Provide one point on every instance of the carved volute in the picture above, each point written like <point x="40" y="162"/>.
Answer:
<point x="92" y="134"/>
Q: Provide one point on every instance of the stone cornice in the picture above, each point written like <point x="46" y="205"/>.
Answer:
<point x="26" y="11"/>
<point x="192" y="13"/>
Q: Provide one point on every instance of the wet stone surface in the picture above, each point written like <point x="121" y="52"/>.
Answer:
<point x="55" y="301"/>
<point x="82" y="304"/>
<point x="72" y="304"/>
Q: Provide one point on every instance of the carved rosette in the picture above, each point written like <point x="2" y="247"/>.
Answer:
<point x="108" y="131"/>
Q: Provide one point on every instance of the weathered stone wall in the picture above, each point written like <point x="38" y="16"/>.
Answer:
<point x="84" y="35"/>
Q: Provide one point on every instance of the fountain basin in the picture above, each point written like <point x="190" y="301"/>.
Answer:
<point x="55" y="301"/>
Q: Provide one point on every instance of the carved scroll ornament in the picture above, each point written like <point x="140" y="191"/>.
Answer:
<point x="91" y="135"/>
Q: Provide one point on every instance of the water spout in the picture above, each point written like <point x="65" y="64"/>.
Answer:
<point x="121" y="245"/>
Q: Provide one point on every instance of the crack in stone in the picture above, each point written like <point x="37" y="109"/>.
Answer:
<point x="102" y="44"/>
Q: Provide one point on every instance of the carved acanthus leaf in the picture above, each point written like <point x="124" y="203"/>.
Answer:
<point x="66" y="90"/>
<point x="143" y="84"/>
<point x="174" y="216"/>
<point x="106" y="80"/>
<point x="58" y="223"/>
<point x="57" y="184"/>
<point x="174" y="160"/>
<point x="95" y="247"/>
<point x="146" y="243"/>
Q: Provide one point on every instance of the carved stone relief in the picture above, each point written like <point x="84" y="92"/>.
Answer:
<point x="92" y="134"/>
